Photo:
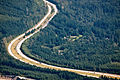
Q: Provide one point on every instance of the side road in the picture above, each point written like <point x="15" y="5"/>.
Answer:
<point x="15" y="45"/>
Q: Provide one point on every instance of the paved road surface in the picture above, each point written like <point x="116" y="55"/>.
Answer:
<point x="20" y="56"/>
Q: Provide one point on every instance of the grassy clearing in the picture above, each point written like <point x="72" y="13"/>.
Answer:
<point x="73" y="38"/>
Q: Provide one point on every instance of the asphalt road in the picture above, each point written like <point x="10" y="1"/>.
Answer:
<point x="43" y="65"/>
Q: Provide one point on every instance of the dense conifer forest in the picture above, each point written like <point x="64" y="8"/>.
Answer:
<point x="17" y="16"/>
<point x="85" y="34"/>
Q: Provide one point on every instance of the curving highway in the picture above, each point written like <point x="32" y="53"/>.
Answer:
<point x="15" y="45"/>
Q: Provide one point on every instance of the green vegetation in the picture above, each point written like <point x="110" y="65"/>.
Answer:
<point x="17" y="16"/>
<point x="10" y="66"/>
<point x="106" y="78"/>
<point x="30" y="32"/>
<point x="98" y="47"/>
<point x="73" y="38"/>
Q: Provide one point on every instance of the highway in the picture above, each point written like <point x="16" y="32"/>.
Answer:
<point x="15" y="45"/>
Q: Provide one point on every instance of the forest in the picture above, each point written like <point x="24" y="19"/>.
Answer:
<point x="84" y="35"/>
<point x="17" y="16"/>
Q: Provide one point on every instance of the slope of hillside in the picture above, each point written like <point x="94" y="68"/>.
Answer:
<point x="17" y="16"/>
<point x="84" y="35"/>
